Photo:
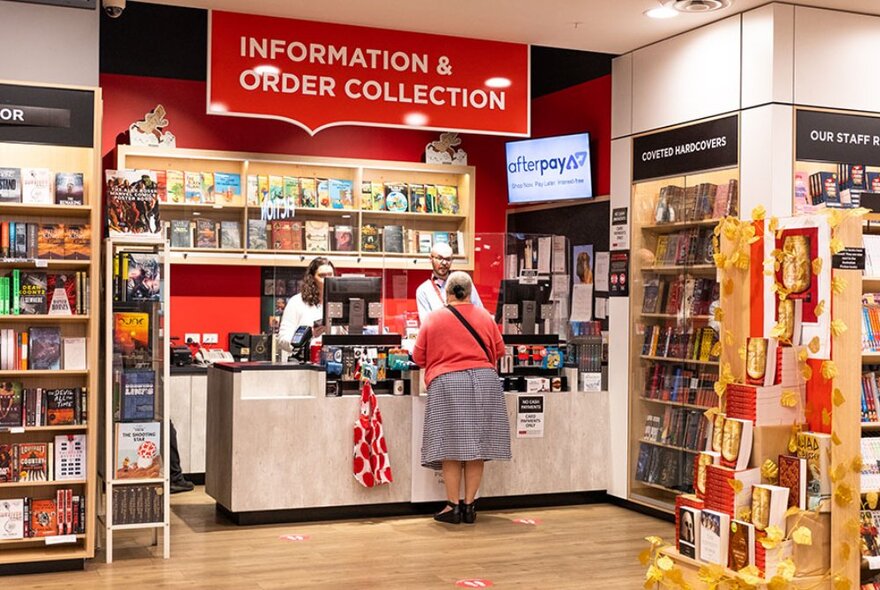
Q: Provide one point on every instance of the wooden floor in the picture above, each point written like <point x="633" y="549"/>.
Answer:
<point x="578" y="547"/>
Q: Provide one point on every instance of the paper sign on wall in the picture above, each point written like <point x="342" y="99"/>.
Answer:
<point x="620" y="228"/>
<point x="530" y="416"/>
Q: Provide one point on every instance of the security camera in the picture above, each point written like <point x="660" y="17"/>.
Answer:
<point x="113" y="8"/>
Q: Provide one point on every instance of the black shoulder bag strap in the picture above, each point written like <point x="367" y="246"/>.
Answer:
<point x="470" y="329"/>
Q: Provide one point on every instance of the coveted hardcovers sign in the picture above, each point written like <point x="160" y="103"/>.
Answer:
<point x="52" y="116"/>
<point x="703" y="146"/>
<point x="318" y="75"/>
<point x="836" y="137"/>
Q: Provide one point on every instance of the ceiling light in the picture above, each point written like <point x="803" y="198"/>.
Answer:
<point x="662" y="11"/>
<point x="700" y="5"/>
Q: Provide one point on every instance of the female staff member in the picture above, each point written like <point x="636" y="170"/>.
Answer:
<point x="307" y="306"/>
<point x="466" y="415"/>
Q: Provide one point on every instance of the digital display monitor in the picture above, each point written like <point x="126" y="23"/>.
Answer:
<point x="352" y="302"/>
<point x="549" y="169"/>
<point x="521" y="304"/>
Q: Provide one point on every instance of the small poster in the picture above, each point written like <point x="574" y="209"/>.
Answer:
<point x="582" y="264"/>
<point x="620" y="228"/>
<point x="618" y="272"/>
<point x="558" y="254"/>
<point x="530" y="416"/>
<point x="582" y="303"/>
<point x="600" y="275"/>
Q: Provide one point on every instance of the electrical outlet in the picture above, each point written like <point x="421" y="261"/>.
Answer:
<point x="209" y="338"/>
<point x="195" y="338"/>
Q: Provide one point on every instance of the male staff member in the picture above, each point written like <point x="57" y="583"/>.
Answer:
<point x="430" y="294"/>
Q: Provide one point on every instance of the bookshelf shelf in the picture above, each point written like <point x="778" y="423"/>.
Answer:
<point x="44" y="264"/>
<point x="142" y="525"/>
<point x="870" y="284"/>
<point x="45" y="210"/>
<point x="675" y="316"/>
<point x="43" y="553"/>
<point x="134" y="482"/>
<point x="209" y="250"/>
<point x="67" y="428"/>
<point x="694" y="269"/>
<point x="200" y="206"/>
<point x="44" y="484"/>
<point x="871" y="357"/>
<point x="691" y="567"/>
<point x="657" y="486"/>
<point x="666" y="359"/>
<point x="668" y="228"/>
<point x="390" y="215"/>
<point x="673" y="403"/>
<point x="45" y="319"/>
<point x="31" y="373"/>
<point x="37" y="540"/>
<point x="871" y="426"/>
<point x="666" y="446"/>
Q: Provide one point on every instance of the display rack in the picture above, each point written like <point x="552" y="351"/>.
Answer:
<point x="136" y="357"/>
<point x="71" y="150"/>
<point x="671" y="386"/>
<point x="240" y="210"/>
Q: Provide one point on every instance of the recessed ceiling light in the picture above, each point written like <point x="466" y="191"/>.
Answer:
<point x="661" y="12"/>
<point x="700" y="5"/>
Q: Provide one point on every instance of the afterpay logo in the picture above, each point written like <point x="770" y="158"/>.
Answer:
<point x="559" y="164"/>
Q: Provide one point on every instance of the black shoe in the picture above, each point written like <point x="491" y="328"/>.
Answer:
<point x="181" y="485"/>
<point x="450" y="516"/>
<point x="468" y="512"/>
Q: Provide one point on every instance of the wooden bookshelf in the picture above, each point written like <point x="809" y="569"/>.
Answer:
<point x="679" y="361"/>
<point x="666" y="446"/>
<point x="44" y="484"/>
<point x="673" y="403"/>
<point x="45" y="319"/>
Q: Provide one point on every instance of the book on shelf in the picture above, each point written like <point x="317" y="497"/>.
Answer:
<point x="317" y="236"/>
<point x="323" y="185"/>
<point x="283" y="235"/>
<point x="138" y="450"/>
<point x="140" y="276"/>
<point x="67" y="293"/>
<point x="396" y="197"/>
<point x="31" y="461"/>
<point x="44" y="352"/>
<point x="309" y="188"/>
<point x="32" y="292"/>
<point x="230" y="235"/>
<point x="341" y="196"/>
<point x="721" y="486"/>
<point x="869" y="524"/>
<point x="36" y="186"/>
<point x="343" y="238"/>
<point x="815" y="447"/>
<point x="763" y="405"/>
<point x="192" y="187"/>
<point x="432" y="199"/>
<point x="70" y="457"/>
<point x="12" y="405"/>
<point x="50" y="241"/>
<point x="44" y="518"/>
<point x="131" y="339"/>
<point x="227" y="188"/>
<point x="793" y="475"/>
<point x="77" y="242"/>
<point x="366" y="196"/>
<point x="138" y="504"/>
<point x="61" y="406"/>
<point x="10" y="185"/>
<point x="257" y="236"/>
<point x="137" y="395"/>
<point x="392" y="238"/>
<point x="69" y="188"/>
<point x="689" y="500"/>
<point x="701" y="462"/>
<point x="132" y="202"/>
<point x="371" y="241"/>
<point x="11" y="518"/>
<point x="418" y="196"/>
<point x="689" y="532"/>
<point x="448" y="202"/>
<point x="291" y="191"/>
<point x="769" y="504"/>
<point x="175" y="187"/>
<point x="870" y="399"/>
<point x="182" y="233"/>
<point x="206" y="233"/>
<point x="870" y="476"/>
<point x="209" y="188"/>
<point x="741" y="545"/>
<point x="276" y="188"/>
<point x="377" y="191"/>
<point x="665" y="467"/>
<point x="714" y="536"/>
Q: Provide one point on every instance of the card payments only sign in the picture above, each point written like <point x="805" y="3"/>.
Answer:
<point x="318" y="75"/>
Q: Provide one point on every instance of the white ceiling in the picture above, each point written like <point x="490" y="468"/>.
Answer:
<point x="610" y="26"/>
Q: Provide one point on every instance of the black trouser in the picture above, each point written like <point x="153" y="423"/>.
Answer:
<point x="174" y="465"/>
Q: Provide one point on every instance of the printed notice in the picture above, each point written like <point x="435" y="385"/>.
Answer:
<point x="530" y="416"/>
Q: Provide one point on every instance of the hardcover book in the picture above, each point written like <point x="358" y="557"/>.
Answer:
<point x="175" y="186"/>
<point x="393" y="238"/>
<point x="11" y="518"/>
<point x="230" y="235"/>
<point x="10" y="406"/>
<point x="309" y="188"/>
<point x="341" y="194"/>
<point x="276" y="188"/>
<point x="431" y="198"/>
<point x="815" y="447"/>
<point x="282" y="234"/>
<point x="370" y="239"/>
<point x="10" y="185"/>
<point x="257" y="239"/>
<point x="73" y="351"/>
<point x="292" y="192"/>
<point x="137" y="400"/>
<point x="206" y="233"/>
<point x="32" y="293"/>
<point x="208" y="188"/>
<point x="69" y="188"/>
<point x="741" y="545"/>
<point x="426" y="242"/>
<point x="323" y="185"/>
<point x="138" y="450"/>
<point x="33" y="461"/>
<point x="297" y="241"/>
<point x="144" y="280"/>
<point x="227" y="188"/>
<point x="132" y="202"/>
<point x="7" y="462"/>
<point x="131" y="339"/>
<point x="70" y="457"/>
<point x="45" y="348"/>
<point x="60" y="294"/>
<point x="793" y="475"/>
<point x="36" y="186"/>
<point x="714" y="531"/>
<point x="366" y="198"/>
<point x="181" y="233"/>
<point x="343" y="237"/>
<point x="377" y="189"/>
<point x="396" y="198"/>
<point x="192" y="187"/>
<point x="50" y="241"/>
<point x="448" y="198"/>
<point x="77" y="242"/>
<point x="61" y="406"/>
<point x="769" y="504"/>
<point x="317" y="236"/>
<point x="44" y="518"/>
<point x="689" y="532"/>
<point x="418" y="197"/>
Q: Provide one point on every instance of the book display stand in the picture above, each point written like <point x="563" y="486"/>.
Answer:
<point x="50" y="203"/>
<point x="135" y="467"/>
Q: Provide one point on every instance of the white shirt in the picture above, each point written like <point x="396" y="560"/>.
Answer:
<point x="427" y="299"/>
<point x="297" y="313"/>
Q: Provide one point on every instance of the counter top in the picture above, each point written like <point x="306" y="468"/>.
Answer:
<point x="189" y="370"/>
<point x="266" y="366"/>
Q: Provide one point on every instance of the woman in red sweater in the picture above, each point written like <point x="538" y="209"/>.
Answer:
<point x="466" y="415"/>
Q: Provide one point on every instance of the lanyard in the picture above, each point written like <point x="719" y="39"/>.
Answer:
<point x="437" y="291"/>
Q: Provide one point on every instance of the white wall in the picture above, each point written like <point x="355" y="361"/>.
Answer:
<point x="767" y="55"/>
<point x="766" y="163"/>
<point x="49" y="44"/>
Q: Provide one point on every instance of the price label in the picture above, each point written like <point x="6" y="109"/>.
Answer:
<point x="41" y="263"/>
<point x="60" y="539"/>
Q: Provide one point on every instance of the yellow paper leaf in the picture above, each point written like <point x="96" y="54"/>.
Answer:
<point x="720" y="388"/>
<point x="856" y="464"/>
<point x="645" y="556"/>
<point x="872" y="498"/>
<point x="773" y="538"/>
<point x="843" y="495"/>
<point x="676" y="576"/>
<point x="758" y="213"/>
<point x="653" y="575"/>
<point x="742" y="352"/>
<point x="719" y="314"/>
<point x="710" y="414"/>
<point x="736" y="485"/>
<point x="817" y="265"/>
<point x="820" y="308"/>
<point x="786" y="569"/>
<point x="728" y="338"/>
<point x="838" y="285"/>
<point x="778" y="583"/>
<point x="770" y="471"/>
<point x="794" y="510"/>
<point x="750" y="575"/>
<point x="836" y="245"/>
<point x="838" y="473"/>
<point x="716" y="349"/>
<point x="838" y="327"/>
<point x="826" y="417"/>
<point x="802" y="536"/>
<point x="720" y="259"/>
<point x="665" y="563"/>
<point x="773" y="224"/>
<point x="745" y="513"/>
<point x="803" y="355"/>
<point x="845" y="550"/>
<point x="792" y="442"/>
<point x="837" y="397"/>
<point x="789" y="399"/>
<point x="814" y="345"/>
<point x="650" y="585"/>
<point x="777" y="331"/>
<point x="835" y="439"/>
<point x="654" y="541"/>
<point x="753" y="240"/>
<point x="852" y="527"/>
<point x="728" y="286"/>
<point x="807" y="372"/>
<point x="742" y="262"/>
<point x="710" y="575"/>
<point x="829" y="370"/>
<point x="841" y="582"/>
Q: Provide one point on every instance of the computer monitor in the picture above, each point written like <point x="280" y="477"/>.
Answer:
<point x="525" y="304"/>
<point x="353" y="302"/>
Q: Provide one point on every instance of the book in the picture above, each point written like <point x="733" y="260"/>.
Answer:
<point x="366" y="196"/>
<point x="257" y="238"/>
<point x="651" y="299"/>
<point x="138" y="450"/>
<point x="393" y="238"/>
<point x="32" y="293"/>
<point x="227" y="188"/>
<point x="11" y="518"/>
<point x="192" y="187"/>
<point x="206" y="233"/>
<point x="132" y="202"/>
<point x="741" y="545"/>
<point x="10" y="404"/>
<point x="77" y="242"/>
<point x="10" y="185"/>
<point x="761" y="361"/>
<point x="182" y="233"/>
<point x="793" y="475"/>
<point x="317" y="236"/>
<point x="418" y="197"/>
<point x="323" y="188"/>
<point x="175" y="186"/>
<point x="230" y="235"/>
<point x="50" y="241"/>
<point x="426" y="242"/>
<point x="45" y="348"/>
<point x="815" y="447"/>
<point x="131" y="339"/>
<point x="341" y="194"/>
<point x="143" y="280"/>
<point x="736" y="445"/>
<point x="61" y="294"/>
<point x="291" y="191"/>
<point x="61" y="406"/>
<point x="396" y="198"/>
<point x="377" y="190"/>
<point x="137" y="398"/>
<point x="689" y="532"/>
<point x="343" y="238"/>
<point x="73" y="352"/>
<point x="69" y="188"/>
<point x="370" y="239"/>
<point x="209" y="188"/>
<point x="309" y="188"/>
<point x="448" y="200"/>
<point x="44" y="518"/>
<point x="36" y="186"/>
<point x="714" y="536"/>
<point x="7" y="462"/>
<point x="33" y="461"/>
<point x="70" y="457"/>
<point x="276" y="188"/>
<point x="282" y="234"/>
<point x="769" y="504"/>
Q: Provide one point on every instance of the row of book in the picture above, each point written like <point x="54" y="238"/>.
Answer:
<point x="763" y="406"/>
<point x="679" y="342"/>
<point x="23" y="518"/>
<point x="39" y="186"/>
<point x="138" y="504"/>
<point x="45" y="241"/>
<point x="678" y="427"/>
<point x="37" y="292"/>
<point x="870" y="477"/>
<point x="61" y="460"/>
<point x="41" y="348"/>
<point x="661" y="466"/>
<point x="869" y="531"/>
<point x="870" y="322"/>
<point x="871" y="242"/>
<point x="667" y="382"/>
<point x="676" y="204"/>
<point x="689" y="296"/>
<point x="844" y="187"/>
<point x="870" y="397"/>
<point x="137" y="276"/>
<point x="37" y="406"/>
<point x="685" y="247"/>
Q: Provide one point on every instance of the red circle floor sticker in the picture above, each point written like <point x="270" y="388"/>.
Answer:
<point x="294" y="538"/>
<point x="529" y="521"/>
<point x="474" y="583"/>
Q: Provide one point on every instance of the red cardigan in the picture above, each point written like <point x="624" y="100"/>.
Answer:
<point x="444" y="345"/>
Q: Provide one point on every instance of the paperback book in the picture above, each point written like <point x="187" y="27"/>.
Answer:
<point x="69" y="188"/>
<point x="132" y="202"/>
<point x="138" y="450"/>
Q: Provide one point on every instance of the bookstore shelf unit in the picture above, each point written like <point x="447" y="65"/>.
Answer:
<point x="278" y="165"/>
<point x="136" y="430"/>
<point x="671" y="296"/>
<point x="73" y="150"/>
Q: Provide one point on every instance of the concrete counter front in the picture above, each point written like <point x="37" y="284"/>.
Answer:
<point x="276" y="443"/>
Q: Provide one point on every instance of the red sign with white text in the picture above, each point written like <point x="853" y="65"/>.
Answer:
<point x="319" y="75"/>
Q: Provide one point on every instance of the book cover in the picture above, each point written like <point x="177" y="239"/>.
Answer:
<point x="418" y="196"/>
<point x="69" y="188"/>
<point x="230" y="235"/>
<point x="323" y="187"/>
<point x="276" y="188"/>
<point x="138" y="450"/>
<point x="370" y="240"/>
<point x="366" y="197"/>
<point x="426" y="242"/>
<point x="7" y="462"/>
<point x="137" y="401"/>
<point x="33" y="461"/>
<point x="292" y="194"/>
<point x="689" y="531"/>
<point x="131" y="338"/>
<point x="70" y="457"/>
<point x="341" y="193"/>
<point x="209" y="188"/>
<point x="50" y="241"/>
<point x="44" y="518"/>
<point x="769" y="504"/>
<point x="10" y="404"/>
<point x="36" y="186"/>
<point x="45" y="348"/>
<point x="181" y="233"/>
<point x="396" y="198"/>
<point x="206" y="233"/>
<point x="297" y="239"/>
<point x="144" y="280"/>
<point x="714" y="531"/>
<point x="815" y="447"/>
<point x="741" y="545"/>
<point x="317" y="236"/>
<point x="175" y="186"/>
<point x="393" y="238"/>
<point x="309" y="187"/>
<point x="192" y="187"/>
<point x="343" y="237"/>
<point x="73" y="351"/>
<point x="651" y="297"/>
<point x="431" y="198"/>
<point x="10" y="185"/>
<point x="282" y="234"/>
<point x="227" y="188"/>
<point x="257" y="238"/>
<point x="132" y="202"/>
<point x="377" y="189"/>
<point x="253" y="191"/>
<point x="32" y="293"/>
<point x="60" y="294"/>
<point x="448" y="199"/>
<point x="77" y="242"/>
<point x="793" y="475"/>
<point x="61" y="406"/>
<point x="11" y="518"/>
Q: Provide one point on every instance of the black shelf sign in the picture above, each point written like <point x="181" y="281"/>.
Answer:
<point x="836" y="137"/>
<point x="703" y="146"/>
<point x="49" y="116"/>
<point x="849" y="259"/>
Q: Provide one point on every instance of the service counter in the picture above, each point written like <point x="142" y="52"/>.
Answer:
<point x="276" y="443"/>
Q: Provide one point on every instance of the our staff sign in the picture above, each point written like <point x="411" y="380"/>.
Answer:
<point x="319" y="75"/>
<point x="837" y="137"/>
